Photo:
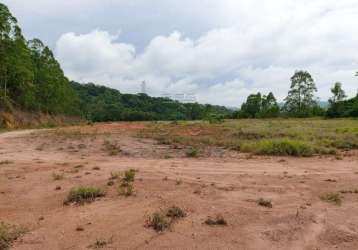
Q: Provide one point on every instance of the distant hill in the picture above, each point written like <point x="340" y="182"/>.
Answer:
<point x="100" y="103"/>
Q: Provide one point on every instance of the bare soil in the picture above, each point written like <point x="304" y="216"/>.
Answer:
<point x="222" y="182"/>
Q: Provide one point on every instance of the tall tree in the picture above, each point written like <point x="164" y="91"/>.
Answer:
<point x="269" y="107"/>
<point x="338" y="93"/>
<point x="251" y="107"/>
<point x="300" y="100"/>
<point x="16" y="72"/>
<point x="336" y="105"/>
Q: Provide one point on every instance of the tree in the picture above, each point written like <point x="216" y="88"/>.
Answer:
<point x="336" y="105"/>
<point x="269" y="107"/>
<point x="338" y="93"/>
<point x="251" y="107"/>
<point x="300" y="99"/>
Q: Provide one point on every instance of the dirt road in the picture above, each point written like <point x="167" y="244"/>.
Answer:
<point x="227" y="184"/>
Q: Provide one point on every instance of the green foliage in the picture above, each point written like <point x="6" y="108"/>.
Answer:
<point x="163" y="219"/>
<point x="257" y="106"/>
<point x="98" y="103"/>
<point x="192" y="152"/>
<point x="300" y="100"/>
<point x="129" y="175"/>
<point x="82" y="195"/>
<point x="339" y="107"/>
<point x="30" y="76"/>
<point x="279" y="147"/>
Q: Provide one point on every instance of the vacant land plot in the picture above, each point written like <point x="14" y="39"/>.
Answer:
<point x="181" y="185"/>
<point x="295" y="137"/>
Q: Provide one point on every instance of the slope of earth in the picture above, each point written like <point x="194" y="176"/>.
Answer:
<point x="222" y="183"/>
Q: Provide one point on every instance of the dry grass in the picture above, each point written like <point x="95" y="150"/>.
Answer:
<point x="334" y="198"/>
<point x="58" y="176"/>
<point x="219" y="220"/>
<point x="163" y="219"/>
<point x="264" y="203"/>
<point x="295" y="137"/>
<point x="83" y="195"/>
<point x="8" y="234"/>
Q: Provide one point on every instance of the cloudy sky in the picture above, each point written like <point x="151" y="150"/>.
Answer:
<point x="221" y="51"/>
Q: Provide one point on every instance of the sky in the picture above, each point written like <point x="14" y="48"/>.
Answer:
<point x="214" y="51"/>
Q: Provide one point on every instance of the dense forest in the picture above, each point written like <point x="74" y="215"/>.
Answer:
<point x="31" y="79"/>
<point x="99" y="103"/>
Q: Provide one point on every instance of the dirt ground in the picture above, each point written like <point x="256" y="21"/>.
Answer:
<point x="220" y="183"/>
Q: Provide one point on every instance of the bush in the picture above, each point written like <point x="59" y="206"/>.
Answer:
<point x="82" y="195"/>
<point x="175" y="212"/>
<point x="158" y="221"/>
<point x="162" y="220"/>
<point x="57" y="177"/>
<point x="126" y="189"/>
<point x="219" y="220"/>
<point x="8" y="234"/>
<point x="191" y="152"/>
<point x="129" y="175"/>
<point x="264" y="203"/>
<point x="283" y="147"/>
<point x="334" y="198"/>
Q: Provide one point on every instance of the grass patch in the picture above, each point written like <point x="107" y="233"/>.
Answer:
<point x="192" y="152"/>
<point x="282" y="147"/>
<point x="129" y="175"/>
<point x="112" y="148"/>
<point x="264" y="203"/>
<point x="292" y="137"/>
<point x="163" y="219"/>
<point x="334" y="198"/>
<point x="83" y="195"/>
<point x="8" y="234"/>
<point x="175" y="212"/>
<point x="126" y="189"/>
<point x="100" y="243"/>
<point x="58" y="176"/>
<point x="219" y="220"/>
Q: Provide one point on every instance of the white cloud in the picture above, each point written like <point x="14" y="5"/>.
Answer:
<point x="257" y="48"/>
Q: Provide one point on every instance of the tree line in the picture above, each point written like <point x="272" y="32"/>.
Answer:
<point x="30" y="76"/>
<point x="32" y="79"/>
<point x="300" y="102"/>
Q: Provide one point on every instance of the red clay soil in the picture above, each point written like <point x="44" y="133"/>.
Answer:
<point x="227" y="185"/>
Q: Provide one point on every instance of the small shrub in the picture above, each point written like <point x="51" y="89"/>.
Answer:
<point x="129" y="175"/>
<point x="334" y="198"/>
<point x="191" y="152"/>
<point x="112" y="148"/>
<point x="279" y="147"/>
<point x="82" y="195"/>
<point x="126" y="189"/>
<point x="215" y="119"/>
<point x="218" y="220"/>
<point x="264" y="203"/>
<point x="8" y="234"/>
<point x="163" y="219"/>
<point x="99" y="243"/>
<point x="158" y="221"/>
<point x="57" y="176"/>
<point x="178" y="182"/>
<point x="175" y="212"/>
